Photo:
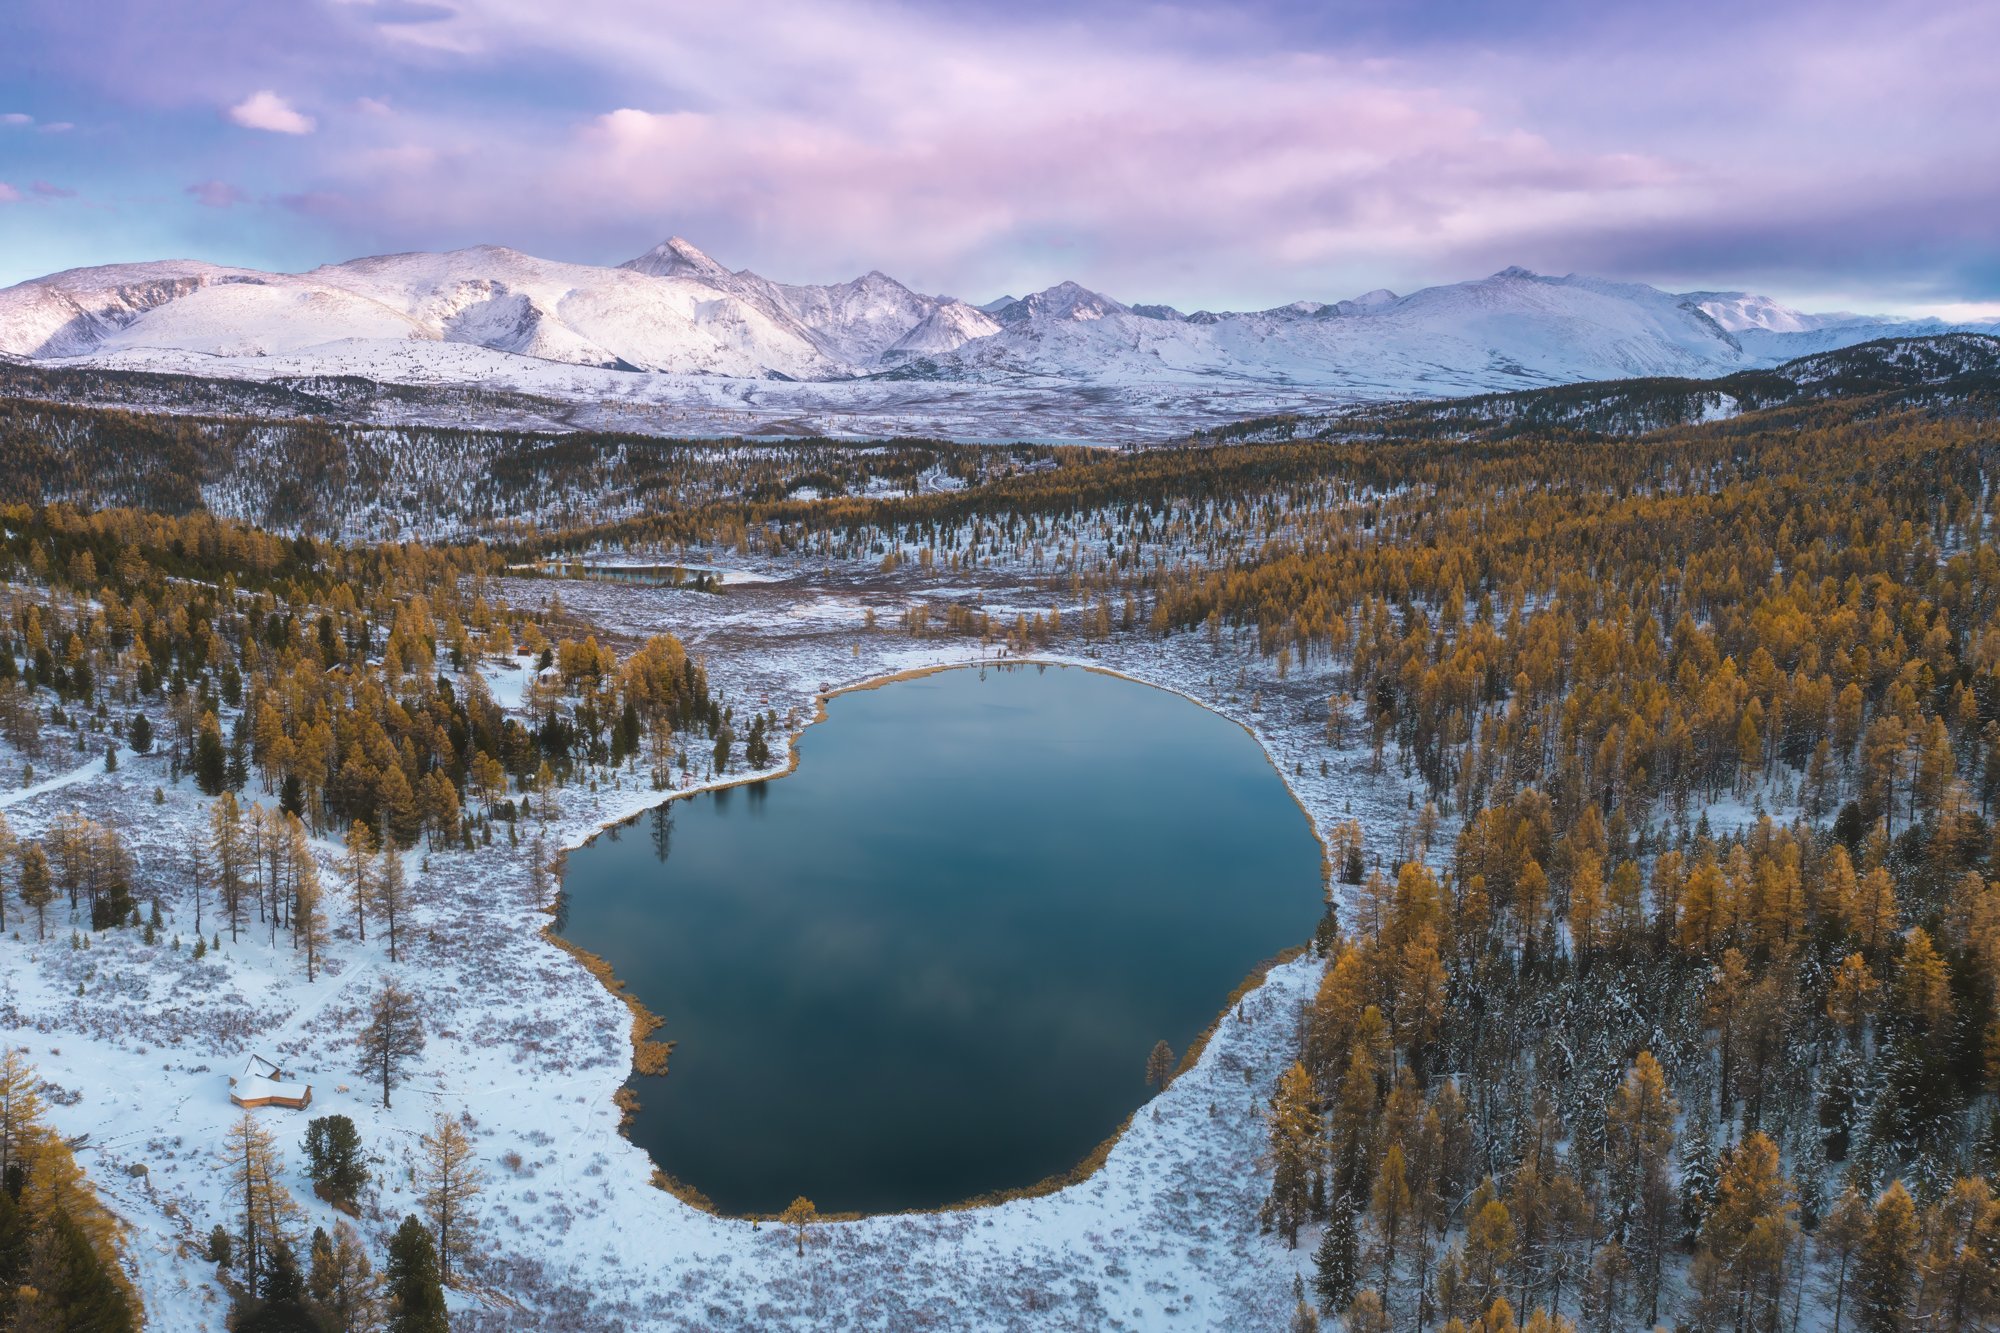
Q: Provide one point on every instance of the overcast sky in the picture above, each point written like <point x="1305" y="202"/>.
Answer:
<point x="1835" y="154"/>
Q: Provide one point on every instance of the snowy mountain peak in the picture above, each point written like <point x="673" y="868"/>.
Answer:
<point x="488" y="311"/>
<point x="946" y="329"/>
<point x="1064" y="301"/>
<point x="1740" y="311"/>
<point x="676" y="257"/>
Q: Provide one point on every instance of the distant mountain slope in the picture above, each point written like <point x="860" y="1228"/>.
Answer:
<point x="1514" y="328"/>
<point x="494" y="317"/>
<point x="1937" y="370"/>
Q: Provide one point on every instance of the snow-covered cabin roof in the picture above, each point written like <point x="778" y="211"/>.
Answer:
<point x="264" y="1084"/>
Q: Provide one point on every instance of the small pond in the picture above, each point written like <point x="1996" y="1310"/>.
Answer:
<point x="931" y="962"/>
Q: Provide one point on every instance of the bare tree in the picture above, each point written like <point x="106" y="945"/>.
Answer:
<point x="394" y="1035"/>
<point x="392" y="893"/>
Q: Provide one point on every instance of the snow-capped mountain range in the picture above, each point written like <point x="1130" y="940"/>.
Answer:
<point x="491" y="315"/>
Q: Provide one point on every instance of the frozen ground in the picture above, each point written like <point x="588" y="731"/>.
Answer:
<point x="547" y="395"/>
<point x="138" y="1040"/>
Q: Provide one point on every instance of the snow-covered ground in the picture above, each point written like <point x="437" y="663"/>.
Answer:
<point x="525" y="1043"/>
<point x="551" y="395"/>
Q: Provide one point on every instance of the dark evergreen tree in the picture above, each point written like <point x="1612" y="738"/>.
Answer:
<point x="1698" y="1167"/>
<point x="625" y="740"/>
<point x="211" y="762"/>
<point x="292" y="796"/>
<point x="141" y="734"/>
<point x="1836" y="1110"/>
<point x="1809" y="1183"/>
<point x="282" y="1281"/>
<point x="1337" y="1261"/>
<point x="74" y="1288"/>
<point x="13" y="1239"/>
<point x="416" y="1296"/>
<point x="333" y="1158"/>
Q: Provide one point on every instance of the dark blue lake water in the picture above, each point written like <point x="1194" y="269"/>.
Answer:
<point x="931" y="961"/>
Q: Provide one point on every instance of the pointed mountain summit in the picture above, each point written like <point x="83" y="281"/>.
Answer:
<point x="676" y="257"/>
<point x="1065" y="300"/>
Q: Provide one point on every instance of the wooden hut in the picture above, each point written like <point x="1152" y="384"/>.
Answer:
<point x="264" y="1084"/>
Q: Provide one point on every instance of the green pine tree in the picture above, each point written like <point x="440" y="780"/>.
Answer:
<point x="69" y="1286"/>
<point x="211" y="759"/>
<point x="333" y="1158"/>
<point x="1337" y="1261"/>
<point x="416" y="1296"/>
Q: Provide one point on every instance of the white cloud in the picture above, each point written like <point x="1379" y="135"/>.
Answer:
<point x="265" y="110"/>
<point x="17" y="118"/>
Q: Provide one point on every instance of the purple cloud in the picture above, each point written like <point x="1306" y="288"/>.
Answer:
<point x="48" y="191"/>
<point x="217" y="194"/>
<point x="1202" y="153"/>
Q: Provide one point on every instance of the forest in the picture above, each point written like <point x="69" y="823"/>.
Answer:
<point x="137" y="633"/>
<point x="1675" y="998"/>
<point x="1578" y="1057"/>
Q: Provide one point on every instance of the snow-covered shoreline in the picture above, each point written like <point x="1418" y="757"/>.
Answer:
<point x="528" y="1044"/>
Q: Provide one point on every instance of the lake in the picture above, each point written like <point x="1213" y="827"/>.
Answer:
<point x="931" y="961"/>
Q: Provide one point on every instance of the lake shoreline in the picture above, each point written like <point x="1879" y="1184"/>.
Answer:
<point x="645" y="1021"/>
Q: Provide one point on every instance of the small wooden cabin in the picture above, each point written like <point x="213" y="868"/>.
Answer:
<point x="264" y="1084"/>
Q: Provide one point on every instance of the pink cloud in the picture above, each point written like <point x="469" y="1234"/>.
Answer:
<point x="1197" y="155"/>
<point x="49" y="191"/>
<point x="839" y="142"/>
<point x="265" y="110"/>
<point x="8" y="194"/>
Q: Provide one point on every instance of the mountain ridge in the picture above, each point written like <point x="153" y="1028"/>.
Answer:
<point x="675" y="311"/>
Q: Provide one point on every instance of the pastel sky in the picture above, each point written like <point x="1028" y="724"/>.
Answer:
<point x="1834" y="153"/>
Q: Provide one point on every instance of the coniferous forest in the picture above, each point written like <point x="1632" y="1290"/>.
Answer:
<point x="1668" y="998"/>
